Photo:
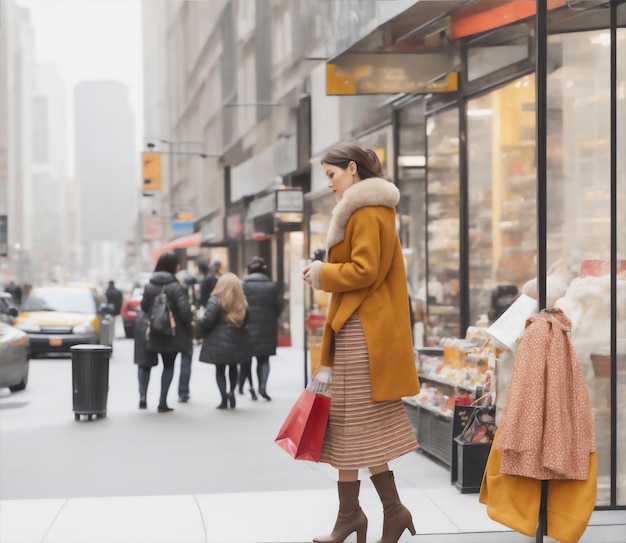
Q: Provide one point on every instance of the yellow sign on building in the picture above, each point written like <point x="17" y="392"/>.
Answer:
<point x="151" y="171"/>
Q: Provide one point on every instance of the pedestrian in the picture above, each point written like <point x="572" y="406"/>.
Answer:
<point x="366" y="340"/>
<point x="186" y="357"/>
<point x="264" y="308"/>
<point x="225" y="337"/>
<point x="207" y="282"/>
<point x="164" y="280"/>
<point x="143" y="358"/>
<point x="114" y="297"/>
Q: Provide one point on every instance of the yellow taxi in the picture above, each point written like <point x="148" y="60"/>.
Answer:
<point x="57" y="317"/>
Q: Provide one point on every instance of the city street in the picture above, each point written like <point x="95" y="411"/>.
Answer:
<point x="45" y="453"/>
<point x="194" y="474"/>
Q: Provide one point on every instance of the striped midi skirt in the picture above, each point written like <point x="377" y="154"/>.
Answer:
<point x="361" y="433"/>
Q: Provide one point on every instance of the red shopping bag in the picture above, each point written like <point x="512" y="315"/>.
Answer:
<point x="302" y="433"/>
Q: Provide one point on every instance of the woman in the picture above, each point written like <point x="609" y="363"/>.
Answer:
<point x="366" y="340"/>
<point x="226" y="341"/>
<point x="264" y="307"/>
<point x="164" y="280"/>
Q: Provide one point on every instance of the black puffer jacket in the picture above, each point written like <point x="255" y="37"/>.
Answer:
<point x="264" y="308"/>
<point x="223" y="343"/>
<point x="181" y="308"/>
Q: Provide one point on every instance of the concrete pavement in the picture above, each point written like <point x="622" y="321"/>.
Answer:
<point x="297" y="501"/>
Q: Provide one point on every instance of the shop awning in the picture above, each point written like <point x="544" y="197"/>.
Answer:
<point x="417" y="52"/>
<point x="184" y="242"/>
<point x="406" y="54"/>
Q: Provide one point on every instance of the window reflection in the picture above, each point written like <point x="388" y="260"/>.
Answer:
<point x="442" y="132"/>
<point x="502" y="192"/>
<point x="502" y="212"/>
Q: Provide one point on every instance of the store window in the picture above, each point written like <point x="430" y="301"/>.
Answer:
<point x="502" y="195"/>
<point x="579" y="222"/>
<point x="442" y="288"/>
<point x="502" y="212"/>
<point x="621" y="251"/>
<point x="412" y="209"/>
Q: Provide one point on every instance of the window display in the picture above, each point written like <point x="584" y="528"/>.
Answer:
<point x="502" y="187"/>
<point x="412" y="208"/>
<point x="443" y="303"/>
<point x="502" y="213"/>
<point x="579" y="225"/>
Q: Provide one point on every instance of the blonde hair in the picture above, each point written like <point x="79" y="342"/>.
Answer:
<point x="231" y="298"/>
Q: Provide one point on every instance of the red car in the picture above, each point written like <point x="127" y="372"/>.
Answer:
<point x="130" y="309"/>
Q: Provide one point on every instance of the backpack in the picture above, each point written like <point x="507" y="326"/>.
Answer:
<point x="161" y="320"/>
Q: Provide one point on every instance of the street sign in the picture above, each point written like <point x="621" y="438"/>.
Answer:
<point x="153" y="228"/>
<point x="151" y="171"/>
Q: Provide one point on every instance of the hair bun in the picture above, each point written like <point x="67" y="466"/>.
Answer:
<point x="374" y="164"/>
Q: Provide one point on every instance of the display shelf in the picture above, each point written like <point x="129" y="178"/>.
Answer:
<point x="438" y="380"/>
<point x="443" y="242"/>
<point x="432" y="427"/>
<point x="433" y="431"/>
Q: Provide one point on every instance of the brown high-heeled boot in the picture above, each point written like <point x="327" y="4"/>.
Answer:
<point x="397" y="517"/>
<point x="350" y="518"/>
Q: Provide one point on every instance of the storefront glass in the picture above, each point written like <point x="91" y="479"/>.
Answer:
<point x="579" y="219"/>
<point x="502" y="188"/>
<point x="621" y="252"/>
<point x="502" y="212"/>
<point x="412" y="208"/>
<point x="443" y="303"/>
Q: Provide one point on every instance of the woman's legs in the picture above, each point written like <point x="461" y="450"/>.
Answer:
<point x="263" y="372"/>
<point x="245" y="374"/>
<point x="185" y="375"/>
<point x="220" y="378"/>
<point x="233" y="374"/>
<point x="346" y="475"/>
<point x="166" y="380"/>
<point x="143" y="375"/>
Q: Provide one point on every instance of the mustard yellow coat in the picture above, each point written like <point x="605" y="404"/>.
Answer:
<point x="365" y="273"/>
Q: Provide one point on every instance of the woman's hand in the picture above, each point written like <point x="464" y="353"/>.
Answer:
<point x="311" y="274"/>
<point x="306" y="274"/>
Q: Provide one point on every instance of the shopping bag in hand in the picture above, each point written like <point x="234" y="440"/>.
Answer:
<point x="302" y="433"/>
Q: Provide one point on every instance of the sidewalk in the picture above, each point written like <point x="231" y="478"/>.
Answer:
<point x="441" y="513"/>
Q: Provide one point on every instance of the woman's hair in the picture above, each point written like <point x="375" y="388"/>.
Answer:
<point x="231" y="298"/>
<point x="257" y="264"/>
<point x="168" y="262"/>
<point x="367" y="162"/>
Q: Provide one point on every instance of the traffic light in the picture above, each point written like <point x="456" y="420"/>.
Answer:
<point x="151" y="171"/>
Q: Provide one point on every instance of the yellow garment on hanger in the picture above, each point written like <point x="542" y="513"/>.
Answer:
<point x="514" y="501"/>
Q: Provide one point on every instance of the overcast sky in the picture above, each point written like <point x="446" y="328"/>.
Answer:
<point x="91" y="40"/>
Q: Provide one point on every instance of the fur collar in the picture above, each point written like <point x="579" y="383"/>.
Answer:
<point x="368" y="192"/>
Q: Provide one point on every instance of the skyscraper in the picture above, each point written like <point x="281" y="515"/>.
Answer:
<point x="106" y="169"/>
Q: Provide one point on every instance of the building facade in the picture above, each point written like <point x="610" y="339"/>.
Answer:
<point x="17" y="94"/>
<point x="501" y="125"/>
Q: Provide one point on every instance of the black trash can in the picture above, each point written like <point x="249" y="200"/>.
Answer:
<point x="90" y="380"/>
